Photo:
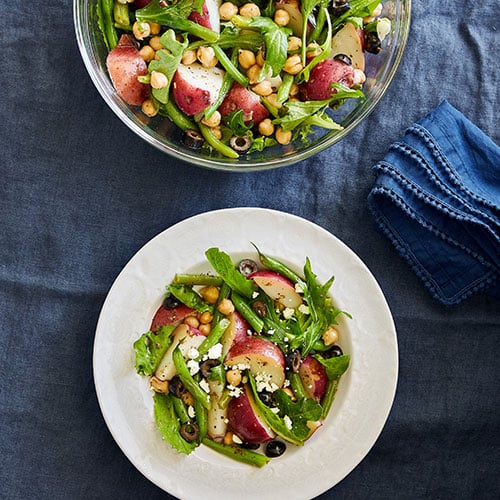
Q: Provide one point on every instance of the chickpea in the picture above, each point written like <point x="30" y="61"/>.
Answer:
<point x="259" y="59"/>
<point x="233" y="377"/>
<point x="206" y="56"/>
<point x="189" y="57"/>
<point x="205" y="329"/>
<point x="217" y="132"/>
<point x="154" y="28"/>
<point x="246" y="58"/>
<point x="187" y="398"/>
<point x="210" y="294"/>
<point x="148" y="108"/>
<point x="192" y="321"/>
<point x="266" y="127"/>
<point x="273" y="100"/>
<point x="293" y="64"/>
<point x="330" y="335"/>
<point x="228" y="438"/>
<point x="249" y="10"/>
<point x="225" y="307"/>
<point x="264" y="88"/>
<point x="282" y="136"/>
<point x="159" y="385"/>
<point x="253" y="73"/>
<point x="155" y="43"/>
<point x="227" y="10"/>
<point x="213" y="121"/>
<point x="359" y="77"/>
<point x="158" y="80"/>
<point x="294" y="90"/>
<point x="281" y="17"/>
<point x="206" y="317"/>
<point x="294" y="43"/>
<point x="147" y="53"/>
<point x="141" y="30"/>
<point x="313" y="49"/>
<point x="374" y="14"/>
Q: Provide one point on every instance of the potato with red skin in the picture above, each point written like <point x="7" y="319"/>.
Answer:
<point x="165" y="317"/>
<point x="195" y="87"/>
<point x="242" y="98"/>
<point x="245" y="421"/>
<point x="277" y="287"/>
<point x="139" y="4"/>
<point x="326" y="72"/>
<point x="209" y="16"/>
<point x="125" y="65"/>
<point x="314" y="378"/>
<point x="237" y="331"/>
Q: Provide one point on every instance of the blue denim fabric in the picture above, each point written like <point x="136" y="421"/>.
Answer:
<point x="437" y="198"/>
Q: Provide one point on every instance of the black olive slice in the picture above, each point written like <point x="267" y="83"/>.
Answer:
<point x="176" y="387"/>
<point x="275" y="448"/>
<point x="260" y="308"/>
<point x="170" y="302"/>
<point x="190" y="431"/>
<point x="344" y="58"/>
<point x="193" y="139"/>
<point x="240" y="143"/>
<point x="247" y="266"/>
<point x="372" y="42"/>
<point x="207" y="365"/>
<point x="293" y="361"/>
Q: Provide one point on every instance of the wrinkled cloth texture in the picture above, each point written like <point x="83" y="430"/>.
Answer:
<point x="437" y="198"/>
<point x="80" y="194"/>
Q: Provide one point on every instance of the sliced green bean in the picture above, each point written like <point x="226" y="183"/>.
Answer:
<point x="297" y="386"/>
<point x="189" y="382"/>
<point x="197" y="279"/>
<point x="247" y="312"/>
<point x="237" y="453"/>
<point x="224" y="293"/>
<point x="180" y="410"/>
<point x="216" y="144"/>
<point x="105" y="12"/>
<point x="278" y="266"/>
<point x="178" y="117"/>
<point x="329" y="396"/>
<point x="201" y="418"/>
<point x="213" y="337"/>
<point x="121" y="13"/>
<point x="229" y="66"/>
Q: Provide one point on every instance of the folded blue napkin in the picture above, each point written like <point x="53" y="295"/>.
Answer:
<point x="437" y="198"/>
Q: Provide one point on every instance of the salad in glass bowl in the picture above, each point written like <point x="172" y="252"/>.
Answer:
<point x="245" y="360"/>
<point x="241" y="77"/>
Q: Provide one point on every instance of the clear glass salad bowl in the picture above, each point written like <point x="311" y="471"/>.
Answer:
<point x="164" y="135"/>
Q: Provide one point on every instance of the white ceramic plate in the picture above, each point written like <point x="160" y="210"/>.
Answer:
<point x="365" y="393"/>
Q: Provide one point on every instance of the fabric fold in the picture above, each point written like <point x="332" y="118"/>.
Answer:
<point x="436" y="197"/>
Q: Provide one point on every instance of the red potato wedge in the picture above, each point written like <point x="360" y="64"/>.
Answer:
<point x="239" y="97"/>
<point x="209" y="16"/>
<point x="185" y="337"/>
<point x="326" y="72"/>
<point x="165" y="317"/>
<point x="237" y="331"/>
<point x="263" y="358"/>
<point x="313" y="377"/>
<point x="245" y="420"/>
<point x="139" y="4"/>
<point x="277" y="287"/>
<point x="195" y="87"/>
<point x="125" y="65"/>
<point x="349" y="41"/>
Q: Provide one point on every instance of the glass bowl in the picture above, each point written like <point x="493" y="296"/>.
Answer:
<point x="164" y="135"/>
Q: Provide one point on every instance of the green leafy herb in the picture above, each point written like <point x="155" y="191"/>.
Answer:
<point x="224" y="266"/>
<point x="335" y="367"/>
<point x="150" y="348"/>
<point x="189" y="297"/>
<point x="168" y="423"/>
<point x="303" y="113"/>
<point x="235" y="121"/>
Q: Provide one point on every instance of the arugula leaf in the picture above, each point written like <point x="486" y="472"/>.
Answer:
<point x="301" y="112"/>
<point x="168" y="62"/>
<point x="224" y="266"/>
<point x="150" y="348"/>
<point x="359" y="8"/>
<point x="189" y="297"/>
<point x="299" y="412"/>
<point x="169" y="424"/>
<point x="235" y="121"/>
<point x="335" y="367"/>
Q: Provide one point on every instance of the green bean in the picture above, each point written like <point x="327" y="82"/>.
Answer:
<point x="278" y="267"/>
<point x="189" y="382"/>
<point x="230" y="67"/>
<point x="297" y="386"/>
<point x="240" y="454"/>
<point x="213" y="337"/>
<point x="105" y="13"/>
<point x="201" y="418"/>
<point x="224" y="293"/>
<point x="178" y="117"/>
<point x="197" y="279"/>
<point x="329" y="396"/>
<point x="216" y="144"/>
<point x="180" y="410"/>
<point x="121" y="13"/>
<point x="247" y="312"/>
<point x="284" y="89"/>
<point x="227" y="82"/>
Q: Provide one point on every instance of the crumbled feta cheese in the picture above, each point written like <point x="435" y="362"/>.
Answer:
<point x="193" y="353"/>
<point x="275" y="410"/>
<point x="204" y="386"/>
<point x="304" y="309"/>
<point x="193" y="366"/>
<point x="288" y="312"/>
<point x="249" y="332"/>
<point x="288" y="422"/>
<point x="300" y="286"/>
<point x="234" y="392"/>
<point x="215" y="351"/>
<point x="255" y="295"/>
<point x="236" y="439"/>
<point x="241" y="367"/>
<point x="264" y="382"/>
<point x="270" y="331"/>
<point x="286" y="383"/>
<point x="191" y="411"/>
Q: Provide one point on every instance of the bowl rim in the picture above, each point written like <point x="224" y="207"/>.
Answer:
<point x="123" y="112"/>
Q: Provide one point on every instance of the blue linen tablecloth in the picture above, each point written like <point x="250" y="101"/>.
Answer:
<point x="80" y="194"/>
